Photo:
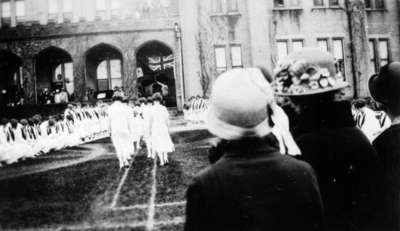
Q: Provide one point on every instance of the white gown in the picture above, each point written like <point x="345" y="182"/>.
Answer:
<point x="121" y="132"/>
<point x="159" y="130"/>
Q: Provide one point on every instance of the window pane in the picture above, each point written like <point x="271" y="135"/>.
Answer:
<point x="5" y="9"/>
<point x="102" y="84"/>
<point x="294" y="2"/>
<point x="298" y="44"/>
<point x="53" y="6"/>
<point x="102" y="70"/>
<point x="371" y="45"/>
<point x="67" y="6"/>
<point x="367" y="4"/>
<point x="334" y="2"/>
<point x="338" y="49"/>
<point x="383" y="49"/>
<point x="116" y="83"/>
<point x="100" y="5"/>
<point x="20" y="8"/>
<point x="236" y="52"/>
<point x="279" y="3"/>
<point x="217" y="6"/>
<point x="379" y="4"/>
<point x="282" y="49"/>
<point x="323" y="44"/>
<point x="318" y="2"/>
<point x="232" y="5"/>
<point x="115" y="66"/>
<point x="115" y="4"/>
<point x="220" y="57"/>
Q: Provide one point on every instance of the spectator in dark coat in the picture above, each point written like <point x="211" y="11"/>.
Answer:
<point x="251" y="185"/>
<point x="347" y="166"/>
<point x="385" y="89"/>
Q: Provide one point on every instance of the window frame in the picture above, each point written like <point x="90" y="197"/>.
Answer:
<point x="286" y="41"/>
<point x="241" y="55"/>
<point x="220" y="69"/>
<point x="18" y="17"/>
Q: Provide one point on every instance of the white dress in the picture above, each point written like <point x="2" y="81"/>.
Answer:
<point x="121" y="131"/>
<point x="159" y="130"/>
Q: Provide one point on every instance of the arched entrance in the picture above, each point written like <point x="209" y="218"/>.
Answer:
<point x="54" y="71"/>
<point x="11" y="89"/>
<point x="156" y="71"/>
<point x="104" y="68"/>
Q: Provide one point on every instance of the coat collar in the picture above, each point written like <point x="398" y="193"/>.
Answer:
<point x="251" y="146"/>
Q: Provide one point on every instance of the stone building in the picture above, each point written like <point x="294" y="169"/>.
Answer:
<point x="181" y="45"/>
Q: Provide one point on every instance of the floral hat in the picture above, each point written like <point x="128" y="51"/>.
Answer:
<point x="307" y="71"/>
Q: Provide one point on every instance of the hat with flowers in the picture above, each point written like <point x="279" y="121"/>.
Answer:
<point x="307" y="71"/>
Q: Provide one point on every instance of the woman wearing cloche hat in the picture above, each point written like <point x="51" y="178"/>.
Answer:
<point x="385" y="88"/>
<point x="252" y="186"/>
<point x="343" y="158"/>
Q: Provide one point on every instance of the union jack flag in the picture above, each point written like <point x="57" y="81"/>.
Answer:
<point x="157" y="63"/>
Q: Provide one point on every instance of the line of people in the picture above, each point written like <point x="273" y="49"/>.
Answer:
<point x="143" y="122"/>
<point x="337" y="180"/>
<point x="32" y="137"/>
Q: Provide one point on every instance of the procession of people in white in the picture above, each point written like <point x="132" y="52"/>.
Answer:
<point x="128" y="125"/>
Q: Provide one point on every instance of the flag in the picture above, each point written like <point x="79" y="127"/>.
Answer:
<point x="161" y="62"/>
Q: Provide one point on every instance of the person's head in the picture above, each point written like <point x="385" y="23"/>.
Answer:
<point x="385" y="88"/>
<point x="308" y="77"/>
<point x="23" y="122"/>
<point x="142" y="101"/>
<point x="117" y="96"/>
<point x="244" y="112"/>
<point x="359" y="103"/>
<point x="3" y="121"/>
<point x="69" y="117"/>
<point x="149" y="100"/>
<point x="31" y="122"/>
<point x="157" y="98"/>
<point x="52" y="121"/>
<point x="14" y="123"/>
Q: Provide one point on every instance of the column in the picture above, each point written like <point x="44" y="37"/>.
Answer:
<point x="13" y="13"/>
<point x="79" y="71"/>
<point x="129" y="81"/>
<point x="357" y="20"/>
<point x="29" y="79"/>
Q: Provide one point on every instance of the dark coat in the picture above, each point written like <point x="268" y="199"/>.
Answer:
<point x="347" y="167"/>
<point x="254" y="187"/>
<point x="388" y="147"/>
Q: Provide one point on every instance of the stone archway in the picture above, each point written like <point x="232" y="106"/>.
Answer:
<point x="54" y="70"/>
<point x="156" y="71"/>
<point x="11" y="85"/>
<point x="103" y="68"/>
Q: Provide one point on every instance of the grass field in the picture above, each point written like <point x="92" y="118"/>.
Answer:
<point x="82" y="188"/>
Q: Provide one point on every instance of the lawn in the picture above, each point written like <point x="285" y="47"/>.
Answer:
<point x="59" y="191"/>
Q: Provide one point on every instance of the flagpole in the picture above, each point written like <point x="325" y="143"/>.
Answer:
<point x="181" y="73"/>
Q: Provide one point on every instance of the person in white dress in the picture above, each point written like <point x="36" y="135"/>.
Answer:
<point x="120" y="127"/>
<point x="146" y="111"/>
<point x="159" y="130"/>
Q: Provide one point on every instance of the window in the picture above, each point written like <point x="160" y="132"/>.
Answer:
<point x="374" y="4"/>
<point x="333" y="2"/>
<point x="318" y="2"/>
<point x="368" y="4"/>
<point x="286" y="3"/>
<point x="372" y="52"/>
<point x="323" y="44"/>
<point x="297" y="44"/>
<point x="69" y="78"/>
<point x="67" y="6"/>
<point x="380" y="53"/>
<point x="115" y="73"/>
<point x="53" y="10"/>
<point x="20" y="10"/>
<point x="220" y="59"/>
<point x="217" y="6"/>
<point x="338" y="53"/>
<point x="236" y="55"/>
<point x="5" y="9"/>
<point x="101" y="9"/>
<point x="115" y="7"/>
<point x="383" y="46"/>
<point x="232" y="5"/>
<point x="282" y="49"/>
<point x="109" y="74"/>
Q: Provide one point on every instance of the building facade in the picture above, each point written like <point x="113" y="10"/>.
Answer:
<point x="181" y="46"/>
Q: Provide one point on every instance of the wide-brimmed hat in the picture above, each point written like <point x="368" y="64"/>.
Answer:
<point x="307" y="71"/>
<point x="385" y="87"/>
<point x="239" y="105"/>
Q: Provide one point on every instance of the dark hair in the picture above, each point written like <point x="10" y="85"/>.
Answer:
<point x="4" y="121"/>
<point x="359" y="103"/>
<point x="14" y="123"/>
<point x="117" y="98"/>
<point x="24" y="122"/>
<point x="31" y="122"/>
<point x="158" y="97"/>
<point x="149" y="100"/>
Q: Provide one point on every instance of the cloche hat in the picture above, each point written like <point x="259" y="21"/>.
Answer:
<point x="307" y="71"/>
<point x="385" y="87"/>
<point x="239" y="105"/>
